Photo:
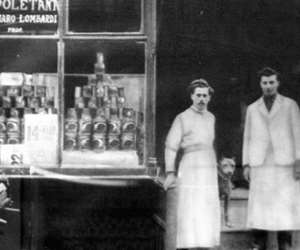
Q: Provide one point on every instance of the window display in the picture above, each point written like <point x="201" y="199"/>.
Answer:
<point x="23" y="94"/>
<point x="105" y="118"/>
<point x="90" y="76"/>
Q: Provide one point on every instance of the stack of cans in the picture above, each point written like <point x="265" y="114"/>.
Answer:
<point x="89" y="129"/>
<point x="128" y="138"/>
<point x="99" y="119"/>
<point x="71" y="129"/>
<point x="85" y="130"/>
<point x="15" y="101"/>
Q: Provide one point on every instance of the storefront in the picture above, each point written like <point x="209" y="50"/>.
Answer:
<point x="77" y="120"/>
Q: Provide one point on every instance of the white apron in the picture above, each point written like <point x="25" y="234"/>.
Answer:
<point x="198" y="218"/>
<point x="198" y="214"/>
<point x="274" y="197"/>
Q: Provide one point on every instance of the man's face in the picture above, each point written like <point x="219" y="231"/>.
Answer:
<point x="200" y="98"/>
<point x="269" y="85"/>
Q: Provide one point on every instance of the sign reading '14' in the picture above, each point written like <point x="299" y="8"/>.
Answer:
<point x="28" y="16"/>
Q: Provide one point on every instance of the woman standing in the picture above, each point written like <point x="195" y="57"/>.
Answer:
<point x="193" y="131"/>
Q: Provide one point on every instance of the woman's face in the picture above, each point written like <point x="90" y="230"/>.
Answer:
<point x="200" y="98"/>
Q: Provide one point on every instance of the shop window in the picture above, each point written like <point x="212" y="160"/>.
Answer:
<point x="104" y="104"/>
<point x="100" y="16"/>
<point x="28" y="93"/>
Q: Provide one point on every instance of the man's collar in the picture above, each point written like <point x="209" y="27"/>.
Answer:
<point x="198" y="111"/>
<point x="276" y="105"/>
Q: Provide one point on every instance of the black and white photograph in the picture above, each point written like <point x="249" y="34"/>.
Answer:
<point x="149" y="125"/>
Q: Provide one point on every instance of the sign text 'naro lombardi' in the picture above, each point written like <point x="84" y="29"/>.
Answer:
<point x="28" y="16"/>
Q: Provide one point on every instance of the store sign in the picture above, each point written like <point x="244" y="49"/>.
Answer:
<point x="41" y="139"/>
<point x="28" y="16"/>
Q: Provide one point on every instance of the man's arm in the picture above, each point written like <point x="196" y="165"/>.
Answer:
<point x="172" y="145"/>
<point x="246" y="139"/>
<point x="295" y="114"/>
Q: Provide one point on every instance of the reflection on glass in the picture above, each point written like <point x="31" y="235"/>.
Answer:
<point x="105" y="15"/>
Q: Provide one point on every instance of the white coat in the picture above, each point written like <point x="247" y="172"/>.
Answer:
<point x="271" y="146"/>
<point x="280" y="127"/>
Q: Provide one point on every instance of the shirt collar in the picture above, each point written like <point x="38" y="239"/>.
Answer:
<point x="270" y="98"/>
<point x="202" y="112"/>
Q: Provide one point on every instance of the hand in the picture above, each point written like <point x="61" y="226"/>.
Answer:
<point x="246" y="172"/>
<point x="170" y="181"/>
<point x="297" y="170"/>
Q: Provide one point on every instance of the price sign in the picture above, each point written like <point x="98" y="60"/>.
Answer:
<point x="13" y="155"/>
<point x="41" y="139"/>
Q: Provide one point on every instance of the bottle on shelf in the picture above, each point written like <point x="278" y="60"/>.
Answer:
<point x="71" y="121"/>
<point x="99" y="67"/>
<point x="13" y="138"/>
<point x="113" y="142"/>
<point x="85" y="122"/>
<point x="128" y="141"/>
<point x="40" y="90"/>
<point x="2" y="126"/>
<point x="106" y="102"/>
<point x="92" y="103"/>
<point x="34" y="102"/>
<point x="71" y="129"/>
<point x="79" y="100"/>
<point x="20" y="101"/>
<point x="49" y="102"/>
<point x="70" y="141"/>
<point x="128" y="121"/>
<point x="114" y="122"/>
<point x="3" y="138"/>
<point x="99" y="122"/>
<point x="13" y="127"/>
<point x="87" y="91"/>
<point x="13" y="122"/>
<point x="27" y="90"/>
<point x="13" y="91"/>
<point x="6" y="102"/>
<point x="2" y="91"/>
<point x="99" y="142"/>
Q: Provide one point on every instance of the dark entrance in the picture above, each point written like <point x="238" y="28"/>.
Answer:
<point x="225" y="42"/>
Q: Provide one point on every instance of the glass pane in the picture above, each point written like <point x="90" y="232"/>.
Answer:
<point x="120" y="57"/>
<point x="103" y="122"/>
<point x="28" y="97"/>
<point x="105" y="15"/>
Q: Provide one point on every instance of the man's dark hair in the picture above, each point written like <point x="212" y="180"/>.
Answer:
<point x="267" y="71"/>
<point x="199" y="83"/>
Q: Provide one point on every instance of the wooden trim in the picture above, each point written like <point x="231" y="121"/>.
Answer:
<point x="151" y="80"/>
<point x="31" y="37"/>
<point x="101" y="37"/>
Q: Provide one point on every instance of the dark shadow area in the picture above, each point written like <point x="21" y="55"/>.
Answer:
<point x="225" y="42"/>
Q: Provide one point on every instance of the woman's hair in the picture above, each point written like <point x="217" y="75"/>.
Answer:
<point x="199" y="83"/>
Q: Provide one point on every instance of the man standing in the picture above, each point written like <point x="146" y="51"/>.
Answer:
<point x="271" y="159"/>
<point x="198" y="210"/>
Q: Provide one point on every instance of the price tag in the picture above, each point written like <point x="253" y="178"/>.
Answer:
<point x="41" y="139"/>
<point x="13" y="155"/>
